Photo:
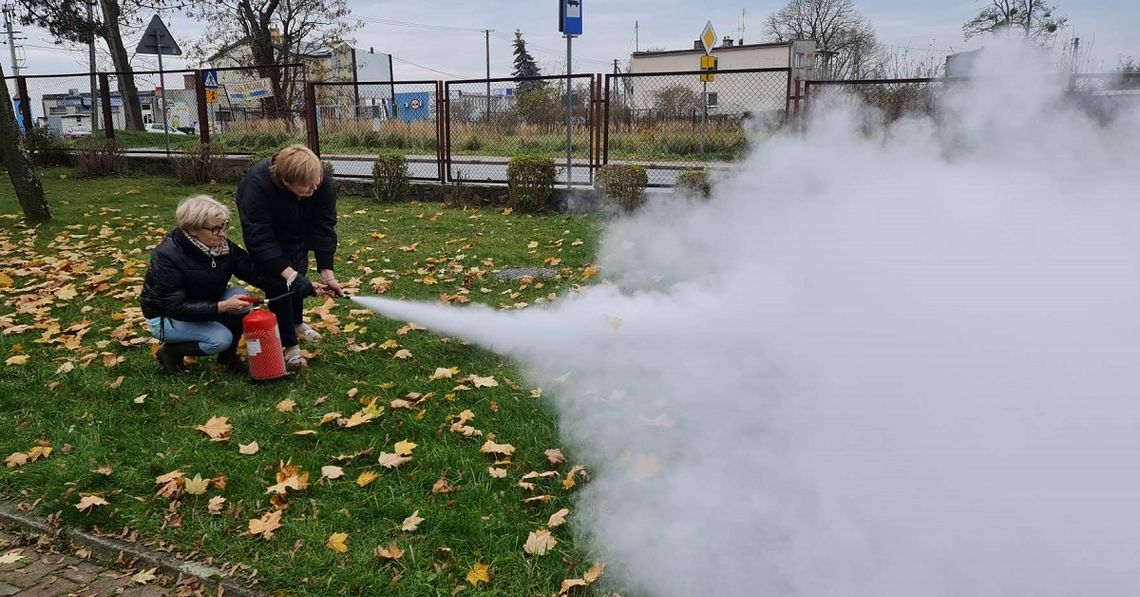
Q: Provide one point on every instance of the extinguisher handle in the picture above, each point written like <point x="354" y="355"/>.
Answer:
<point x="253" y="300"/>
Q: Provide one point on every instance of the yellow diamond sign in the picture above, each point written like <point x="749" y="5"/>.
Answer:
<point x="708" y="37"/>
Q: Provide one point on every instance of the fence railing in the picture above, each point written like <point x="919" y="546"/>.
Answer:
<point x="467" y="130"/>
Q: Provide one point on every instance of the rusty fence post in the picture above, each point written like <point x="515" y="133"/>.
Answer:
<point x="311" y="125"/>
<point x="203" y="109"/>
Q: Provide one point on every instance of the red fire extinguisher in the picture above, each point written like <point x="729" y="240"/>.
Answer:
<point x="263" y="343"/>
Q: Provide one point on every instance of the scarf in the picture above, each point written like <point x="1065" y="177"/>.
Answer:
<point x="223" y="249"/>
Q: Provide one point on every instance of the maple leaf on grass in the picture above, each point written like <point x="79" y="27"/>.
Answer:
<point x="595" y="572"/>
<point x="443" y="373"/>
<point x="248" y="449"/>
<point x="197" y="485"/>
<point x="20" y="359"/>
<point x="286" y="405"/>
<point x="412" y="522"/>
<point x="359" y="417"/>
<point x="404" y="448"/>
<point x="497" y="473"/>
<point x="338" y="542"/>
<point x="558" y="518"/>
<point x="554" y="456"/>
<point x="482" y="382"/>
<point x="490" y="447"/>
<point x="217" y="428"/>
<point x="539" y="542"/>
<point x="145" y="576"/>
<point x="215" y="505"/>
<point x="16" y="459"/>
<point x="332" y="472"/>
<point x="266" y="525"/>
<point x="389" y="552"/>
<point x="480" y="572"/>
<point x="88" y="502"/>
<point x="392" y="460"/>
<point x="442" y="486"/>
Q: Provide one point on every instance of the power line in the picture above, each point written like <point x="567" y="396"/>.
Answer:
<point x="434" y="70"/>
<point x="410" y="25"/>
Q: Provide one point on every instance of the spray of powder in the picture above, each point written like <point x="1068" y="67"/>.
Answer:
<point x="896" y="363"/>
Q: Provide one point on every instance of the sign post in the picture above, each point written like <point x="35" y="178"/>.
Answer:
<point x="708" y="66"/>
<point x="157" y="40"/>
<point x="570" y="24"/>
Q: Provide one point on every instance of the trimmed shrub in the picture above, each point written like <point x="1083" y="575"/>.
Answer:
<point x="390" y="178"/>
<point x="624" y="183"/>
<point x="198" y="166"/>
<point x="98" y="157"/>
<point x="530" y="182"/>
<point x="695" y="181"/>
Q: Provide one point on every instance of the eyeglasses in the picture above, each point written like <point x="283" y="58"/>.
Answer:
<point x="218" y="229"/>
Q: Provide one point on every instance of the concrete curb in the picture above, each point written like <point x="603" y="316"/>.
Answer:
<point x="108" y="550"/>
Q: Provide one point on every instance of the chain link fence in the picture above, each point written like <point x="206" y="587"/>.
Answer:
<point x="358" y="121"/>
<point x="671" y="122"/>
<point x="489" y="120"/>
<point x="891" y="99"/>
<point x="258" y="110"/>
<point x="1105" y="95"/>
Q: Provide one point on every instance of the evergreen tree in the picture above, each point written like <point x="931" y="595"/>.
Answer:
<point x="525" y="66"/>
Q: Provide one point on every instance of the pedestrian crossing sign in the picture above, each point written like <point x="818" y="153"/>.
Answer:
<point x="211" y="96"/>
<point x="210" y="79"/>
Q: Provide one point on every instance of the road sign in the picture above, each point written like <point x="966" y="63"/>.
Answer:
<point x="157" y="40"/>
<point x="210" y="79"/>
<point x="708" y="62"/>
<point x="708" y="38"/>
<point x="212" y="96"/>
<point x="708" y="77"/>
<point x="570" y="17"/>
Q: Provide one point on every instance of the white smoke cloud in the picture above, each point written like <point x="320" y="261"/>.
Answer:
<point x="902" y="363"/>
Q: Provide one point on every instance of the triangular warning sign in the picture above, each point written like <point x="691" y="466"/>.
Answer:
<point x="157" y="40"/>
<point x="210" y="79"/>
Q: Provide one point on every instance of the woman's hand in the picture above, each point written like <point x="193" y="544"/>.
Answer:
<point x="234" y="304"/>
<point x="332" y="287"/>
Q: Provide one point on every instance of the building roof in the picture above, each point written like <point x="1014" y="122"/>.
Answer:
<point x="779" y="44"/>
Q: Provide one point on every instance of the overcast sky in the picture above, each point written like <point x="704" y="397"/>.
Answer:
<point x="442" y="38"/>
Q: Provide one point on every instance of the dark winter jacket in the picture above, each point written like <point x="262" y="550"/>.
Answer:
<point x="184" y="283"/>
<point x="277" y="225"/>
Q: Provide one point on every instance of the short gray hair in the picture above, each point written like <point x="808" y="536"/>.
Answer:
<point x="195" y="213"/>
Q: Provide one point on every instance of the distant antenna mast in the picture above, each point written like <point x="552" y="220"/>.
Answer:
<point x="743" y="23"/>
<point x="636" y="46"/>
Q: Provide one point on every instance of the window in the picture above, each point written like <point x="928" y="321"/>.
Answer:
<point x="711" y="99"/>
<point x="53" y="110"/>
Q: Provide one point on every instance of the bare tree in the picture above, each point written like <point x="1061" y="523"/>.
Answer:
<point x="67" y="21"/>
<point x="15" y="157"/>
<point x="843" y="37"/>
<point x="1036" y="20"/>
<point x="275" y="32"/>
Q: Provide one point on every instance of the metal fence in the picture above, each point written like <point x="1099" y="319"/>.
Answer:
<point x="356" y="121"/>
<point x="892" y="98"/>
<point x="250" y="110"/>
<point x="671" y="122"/>
<point x="489" y="120"/>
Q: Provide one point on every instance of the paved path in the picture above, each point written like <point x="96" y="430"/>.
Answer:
<point x="39" y="570"/>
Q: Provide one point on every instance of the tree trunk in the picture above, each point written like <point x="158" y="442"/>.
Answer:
<point x="126" y="79"/>
<point x="21" y="171"/>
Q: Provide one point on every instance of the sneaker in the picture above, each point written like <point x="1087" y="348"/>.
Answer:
<point x="293" y="358"/>
<point x="306" y="333"/>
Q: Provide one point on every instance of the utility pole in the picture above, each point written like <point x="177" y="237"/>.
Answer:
<point x="9" y="11"/>
<point x="91" y="61"/>
<point x="636" y="47"/>
<point x="616" y="71"/>
<point x="1076" y="50"/>
<point x="487" y="35"/>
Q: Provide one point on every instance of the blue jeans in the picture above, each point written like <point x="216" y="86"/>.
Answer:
<point x="212" y="336"/>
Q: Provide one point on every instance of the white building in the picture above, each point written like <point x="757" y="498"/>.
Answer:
<point x="729" y="94"/>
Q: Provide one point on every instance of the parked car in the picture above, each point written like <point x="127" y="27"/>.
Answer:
<point x="189" y="130"/>
<point x="76" y="131"/>
<point x="156" y="127"/>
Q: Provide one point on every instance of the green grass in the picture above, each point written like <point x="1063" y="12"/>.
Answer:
<point x="99" y="242"/>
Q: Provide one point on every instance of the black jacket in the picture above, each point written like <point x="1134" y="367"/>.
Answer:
<point x="185" y="283"/>
<point x="277" y="225"/>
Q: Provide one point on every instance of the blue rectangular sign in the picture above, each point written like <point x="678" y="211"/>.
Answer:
<point x="570" y="17"/>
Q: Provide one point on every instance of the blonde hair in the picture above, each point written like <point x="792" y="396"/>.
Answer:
<point x="297" y="164"/>
<point x="195" y="213"/>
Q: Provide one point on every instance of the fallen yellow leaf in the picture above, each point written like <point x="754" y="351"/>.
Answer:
<point x="479" y="573"/>
<point x="338" y="542"/>
<point x="248" y="449"/>
<point x="197" y="485"/>
<point x="558" y="518"/>
<point x="145" y="576"/>
<point x="87" y="502"/>
<point x="443" y="372"/>
<point x="366" y="477"/>
<point x="20" y="359"/>
<point x="215" y="504"/>
<point x="490" y="447"/>
<point x="218" y="428"/>
<point x="392" y="460"/>
<point x="266" y="525"/>
<point x="404" y="448"/>
<point x="332" y="472"/>
<point x="12" y="557"/>
<point x="286" y="405"/>
<point x="391" y="552"/>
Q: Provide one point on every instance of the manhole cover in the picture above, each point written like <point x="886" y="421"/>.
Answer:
<point x="515" y="273"/>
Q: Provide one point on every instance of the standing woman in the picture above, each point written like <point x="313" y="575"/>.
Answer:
<point x="287" y="207"/>
<point x="186" y="296"/>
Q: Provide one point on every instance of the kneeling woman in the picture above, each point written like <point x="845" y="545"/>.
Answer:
<point x="186" y="296"/>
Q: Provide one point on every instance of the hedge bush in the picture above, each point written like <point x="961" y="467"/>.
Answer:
<point x="390" y="178"/>
<point x="198" y="166"/>
<point x="99" y="157"/>
<point x="695" y="181"/>
<point x="530" y="182"/>
<point x="45" y="146"/>
<point x="624" y="183"/>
